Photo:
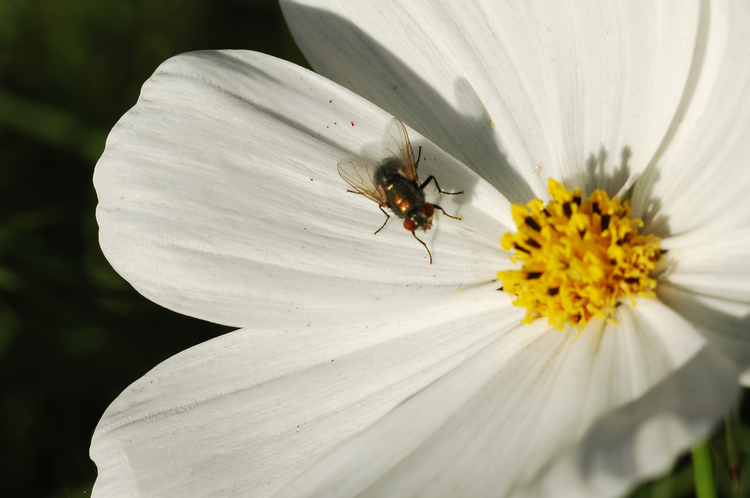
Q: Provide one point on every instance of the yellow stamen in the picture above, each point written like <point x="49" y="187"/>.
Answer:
<point x="579" y="257"/>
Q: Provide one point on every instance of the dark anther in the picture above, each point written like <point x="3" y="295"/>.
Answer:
<point x="567" y="209"/>
<point x="605" y="221"/>
<point x="577" y="200"/>
<point x="595" y="208"/>
<point x="533" y="224"/>
<point x="581" y="233"/>
<point x="519" y="248"/>
<point x="553" y="291"/>
<point x="546" y="213"/>
<point x="632" y="280"/>
<point x="533" y="275"/>
<point x="533" y="243"/>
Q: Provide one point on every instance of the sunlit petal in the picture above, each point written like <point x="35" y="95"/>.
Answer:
<point x="711" y="264"/>
<point x="700" y="177"/>
<point x="648" y="432"/>
<point x="246" y="412"/>
<point x="726" y="324"/>
<point x="511" y="87"/>
<point x="219" y="198"/>
<point x="495" y="424"/>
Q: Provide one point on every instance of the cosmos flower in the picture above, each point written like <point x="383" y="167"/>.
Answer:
<point x="361" y="368"/>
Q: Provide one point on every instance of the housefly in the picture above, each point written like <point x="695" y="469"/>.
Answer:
<point x="393" y="183"/>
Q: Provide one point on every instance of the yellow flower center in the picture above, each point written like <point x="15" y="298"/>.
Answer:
<point x="579" y="257"/>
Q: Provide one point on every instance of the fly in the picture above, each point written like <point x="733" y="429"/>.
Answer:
<point x="393" y="183"/>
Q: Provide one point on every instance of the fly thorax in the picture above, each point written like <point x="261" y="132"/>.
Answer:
<point x="404" y="197"/>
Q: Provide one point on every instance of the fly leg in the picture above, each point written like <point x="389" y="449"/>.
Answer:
<point x="425" y="246"/>
<point x="387" y="217"/>
<point x="443" y="210"/>
<point x="416" y="164"/>
<point x="433" y="179"/>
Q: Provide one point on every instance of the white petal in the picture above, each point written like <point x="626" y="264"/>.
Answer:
<point x="220" y="199"/>
<point x="726" y="324"/>
<point x="522" y="405"/>
<point x="706" y="278"/>
<point x="711" y="264"/>
<point x="243" y="414"/>
<point x="700" y="177"/>
<point x="649" y="433"/>
<point x="582" y="91"/>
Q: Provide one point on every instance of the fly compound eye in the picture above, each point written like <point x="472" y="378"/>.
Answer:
<point x="428" y="210"/>
<point x="410" y="225"/>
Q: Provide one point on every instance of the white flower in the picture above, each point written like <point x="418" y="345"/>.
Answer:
<point x="360" y="367"/>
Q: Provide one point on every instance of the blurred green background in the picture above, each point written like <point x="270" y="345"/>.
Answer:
<point x="73" y="334"/>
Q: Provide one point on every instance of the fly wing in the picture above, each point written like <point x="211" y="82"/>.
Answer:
<point x="360" y="175"/>
<point x="398" y="145"/>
